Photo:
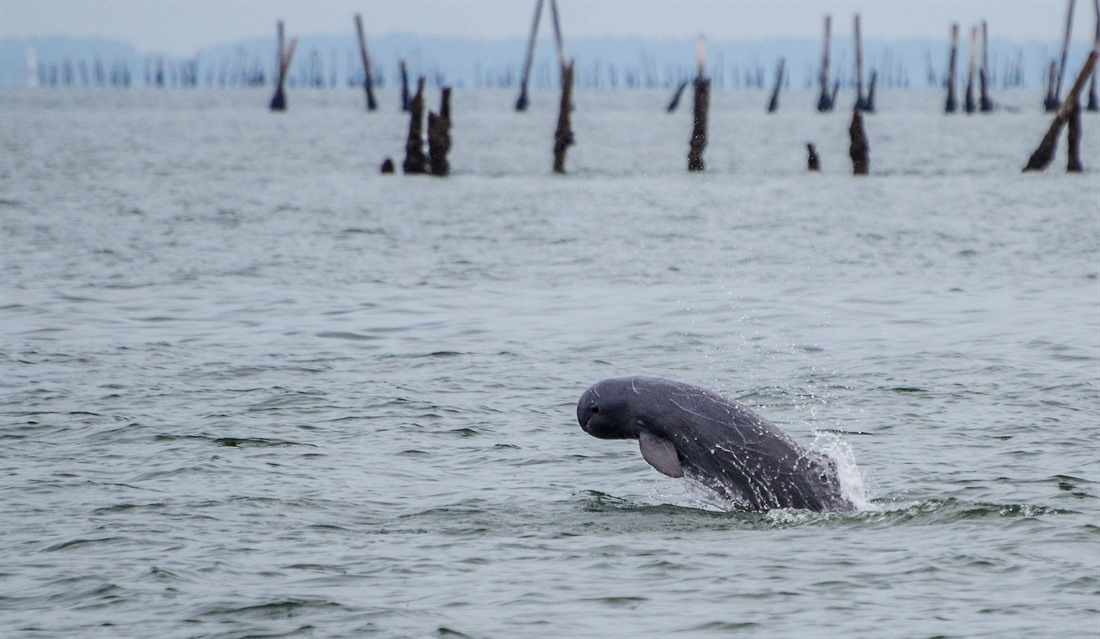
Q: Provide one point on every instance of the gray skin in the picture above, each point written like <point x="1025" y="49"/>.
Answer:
<point x="686" y="430"/>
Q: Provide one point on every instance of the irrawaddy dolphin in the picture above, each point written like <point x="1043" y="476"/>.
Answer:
<point x="688" y="431"/>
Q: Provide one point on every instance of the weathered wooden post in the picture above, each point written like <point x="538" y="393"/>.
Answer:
<point x="1052" y="101"/>
<point x="971" y="68"/>
<point x="858" y="148"/>
<point x="557" y="33"/>
<point x="404" y="85"/>
<point x="1094" y="102"/>
<point x="812" y="161"/>
<point x="861" y="102"/>
<point x="1042" y="156"/>
<point x="825" y="100"/>
<point x="521" y="101"/>
<point x="439" y="136"/>
<point x="986" y="103"/>
<point x="1073" y="145"/>
<point x="368" y="81"/>
<point x="278" y="101"/>
<point x="676" y="97"/>
<point x="415" y="161"/>
<point x="869" y="103"/>
<point x="563" y="133"/>
<point x="773" y="104"/>
<point x="699" y="112"/>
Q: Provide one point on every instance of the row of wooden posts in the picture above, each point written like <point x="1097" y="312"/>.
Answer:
<point x="975" y="73"/>
<point x="976" y="76"/>
<point x="858" y="148"/>
<point x="976" y="79"/>
<point x="439" y="141"/>
<point x="439" y="125"/>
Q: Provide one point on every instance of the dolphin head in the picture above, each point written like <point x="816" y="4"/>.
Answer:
<point x="606" y="410"/>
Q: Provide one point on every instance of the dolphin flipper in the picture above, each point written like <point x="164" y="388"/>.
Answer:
<point x="660" y="453"/>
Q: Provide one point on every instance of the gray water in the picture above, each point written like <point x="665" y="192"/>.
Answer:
<point x="250" y="387"/>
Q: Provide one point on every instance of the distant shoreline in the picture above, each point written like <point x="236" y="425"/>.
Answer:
<point x="609" y="62"/>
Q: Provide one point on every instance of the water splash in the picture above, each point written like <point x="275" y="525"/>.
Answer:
<point x="853" y="484"/>
<point x="691" y="492"/>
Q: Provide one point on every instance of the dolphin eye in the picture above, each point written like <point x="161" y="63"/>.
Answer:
<point x="595" y="409"/>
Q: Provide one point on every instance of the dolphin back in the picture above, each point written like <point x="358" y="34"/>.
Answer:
<point x="727" y="447"/>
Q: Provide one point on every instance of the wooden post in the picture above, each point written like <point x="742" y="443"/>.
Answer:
<point x="699" y="127"/>
<point x="971" y="68"/>
<point x="825" y="100"/>
<point x="404" y="85"/>
<point x="1042" y="156"/>
<point x="812" y="162"/>
<point x="415" y="162"/>
<point x="439" y="136"/>
<point x="521" y="102"/>
<point x="1052" y="104"/>
<point x="278" y="101"/>
<point x="676" y="98"/>
<point x="1094" y="100"/>
<point x="773" y="104"/>
<point x="986" y="103"/>
<point x="861" y="102"/>
<point x="280" y="54"/>
<point x="1094" y="103"/>
<point x="557" y="33"/>
<point x="699" y="112"/>
<point x="869" y="103"/>
<point x="1073" y="161"/>
<point x="563" y="135"/>
<point x="858" y="148"/>
<point x="368" y="82"/>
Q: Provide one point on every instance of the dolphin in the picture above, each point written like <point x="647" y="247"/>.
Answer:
<point x="687" y="431"/>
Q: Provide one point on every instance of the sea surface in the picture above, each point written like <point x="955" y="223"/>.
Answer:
<point x="250" y="387"/>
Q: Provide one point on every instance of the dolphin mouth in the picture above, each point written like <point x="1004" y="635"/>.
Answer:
<point x="585" y="412"/>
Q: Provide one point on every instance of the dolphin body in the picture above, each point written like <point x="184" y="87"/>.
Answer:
<point x="686" y="430"/>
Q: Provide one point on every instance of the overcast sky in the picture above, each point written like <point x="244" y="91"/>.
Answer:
<point x="183" y="26"/>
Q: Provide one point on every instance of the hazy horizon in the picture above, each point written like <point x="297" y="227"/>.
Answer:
<point x="176" y="27"/>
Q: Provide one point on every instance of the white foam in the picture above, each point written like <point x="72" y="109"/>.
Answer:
<point x="689" y="493"/>
<point x="853" y="483"/>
